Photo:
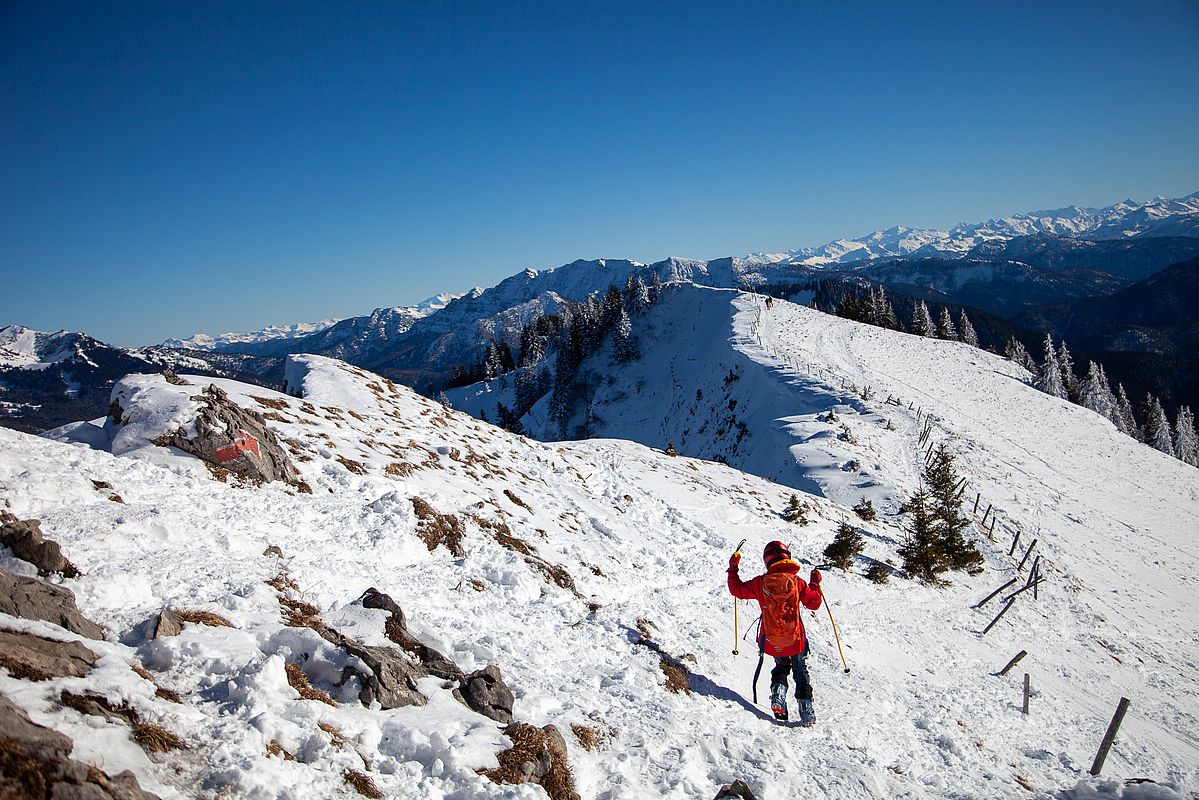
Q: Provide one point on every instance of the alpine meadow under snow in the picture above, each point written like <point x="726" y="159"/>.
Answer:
<point x="592" y="574"/>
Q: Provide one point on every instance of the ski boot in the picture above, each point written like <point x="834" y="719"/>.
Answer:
<point x="778" y="701"/>
<point x="807" y="714"/>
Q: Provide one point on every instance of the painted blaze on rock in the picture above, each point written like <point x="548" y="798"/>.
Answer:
<point x="236" y="439"/>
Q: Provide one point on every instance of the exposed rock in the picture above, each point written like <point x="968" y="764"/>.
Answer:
<point x="35" y="762"/>
<point x="737" y="788"/>
<point x="33" y="658"/>
<point x="30" y="598"/>
<point x="485" y="692"/>
<point x="235" y="439"/>
<point x="537" y="755"/>
<point x="393" y="676"/>
<point x="167" y="624"/>
<point x="27" y="543"/>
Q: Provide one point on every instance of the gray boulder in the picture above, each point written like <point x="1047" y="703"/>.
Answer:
<point x="30" y="598"/>
<point x="485" y="692"/>
<point x="36" y="762"/>
<point x="25" y="539"/>
<point x="737" y="788"/>
<point x="233" y="438"/>
<point x="33" y="658"/>
<point x="167" y="623"/>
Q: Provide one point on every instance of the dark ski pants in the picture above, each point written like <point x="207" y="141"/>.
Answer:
<point x="796" y="666"/>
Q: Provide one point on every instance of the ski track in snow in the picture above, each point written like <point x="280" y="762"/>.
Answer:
<point x="920" y="714"/>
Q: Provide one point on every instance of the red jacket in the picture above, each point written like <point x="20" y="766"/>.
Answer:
<point x="752" y="590"/>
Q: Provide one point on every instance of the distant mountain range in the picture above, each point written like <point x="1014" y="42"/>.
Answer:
<point x="1042" y="271"/>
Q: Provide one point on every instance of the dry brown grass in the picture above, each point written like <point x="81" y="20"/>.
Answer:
<point x="300" y="614"/>
<point x="678" y="677"/>
<point x="362" y="783"/>
<point x="477" y="585"/>
<point x="154" y="738"/>
<point x="282" y="582"/>
<point x="528" y="743"/>
<point x="436" y="529"/>
<point x="116" y="498"/>
<point x="400" y="469"/>
<point x="353" y="466"/>
<point x="275" y="416"/>
<point x="335" y="734"/>
<point x="513" y="497"/>
<point x="202" y="618"/>
<point x="590" y="738"/>
<point x="101" y="485"/>
<point x="270" y="402"/>
<point x="165" y="694"/>
<point x="299" y="681"/>
<point x="276" y="749"/>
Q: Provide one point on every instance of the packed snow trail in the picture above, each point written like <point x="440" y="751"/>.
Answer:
<point x="646" y="537"/>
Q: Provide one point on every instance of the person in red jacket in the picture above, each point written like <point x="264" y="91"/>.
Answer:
<point x="779" y="592"/>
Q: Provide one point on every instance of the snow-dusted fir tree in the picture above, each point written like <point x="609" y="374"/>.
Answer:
<point x="945" y="326"/>
<point x="636" y="294"/>
<point x="1126" y="421"/>
<point x="1069" y="379"/>
<point x="1186" y="442"/>
<point x="1157" y="426"/>
<point x="966" y="331"/>
<point x="655" y="289"/>
<point x="922" y="322"/>
<point x="1017" y="352"/>
<point x="921" y="548"/>
<point x="624" y="346"/>
<point x="1096" y="394"/>
<point x="492" y="366"/>
<point x="1049" y="377"/>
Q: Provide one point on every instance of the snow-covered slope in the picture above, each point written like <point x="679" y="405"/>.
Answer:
<point x="645" y="537"/>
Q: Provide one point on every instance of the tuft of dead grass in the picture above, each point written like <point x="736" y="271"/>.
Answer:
<point x="165" y="694"/>
<point x="437" y="529"/>
<point x="400" y="469"/>
<point x="202" y="618"/>
<point x="678" y="677"/>
<point x="270" y="402"/>
<point x="353" y="466"/>
<point x="154" y="738"/>
<point x="276" y="749"/>
<point x="300" y="614"/>
<point x="299" y="681"/>
<point x="362" y="783"/>
<point x="590" y="739"/>
<point x="529" y="743"/>
<point x="513" y="497"/>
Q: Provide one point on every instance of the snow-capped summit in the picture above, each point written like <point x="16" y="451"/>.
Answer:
<point x="26" y="348"/>
<point x="223" y="341"/>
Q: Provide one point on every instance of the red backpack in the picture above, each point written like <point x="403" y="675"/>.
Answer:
<point x="780" y="609"/>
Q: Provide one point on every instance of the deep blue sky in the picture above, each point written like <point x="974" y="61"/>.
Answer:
<point x="169" y="168"/>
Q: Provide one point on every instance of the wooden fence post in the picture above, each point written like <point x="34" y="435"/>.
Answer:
<point x="987" y="514"/>
<point x="987" y="599"/>
<point x="1026" y="555"/>
<point x="1026" y="694"/>
<point x="997" y="616"/>
<point x="1110" y="736"/>
<point x="991" y="533"/>
<point x="1015" y="541"/>
<point x="1013" y="662"/>
<point x="977" y="498"/>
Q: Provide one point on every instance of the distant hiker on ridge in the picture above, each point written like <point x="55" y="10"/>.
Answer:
<point x="780" y="592"/>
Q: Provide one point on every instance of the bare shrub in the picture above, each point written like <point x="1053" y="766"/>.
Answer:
<point x="300" y="614"/>
<point x="878" y="572"/>
<point x="299" y="681"/>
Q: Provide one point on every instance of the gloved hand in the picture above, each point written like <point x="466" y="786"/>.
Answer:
<point x="734" y="561"/>
<point x="815" y="579"/>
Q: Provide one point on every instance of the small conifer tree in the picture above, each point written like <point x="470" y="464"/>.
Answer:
<point x="796" y="512"/>
<point x="1049" y="377"/>
<point x="921" y="550"/>
<point x="966" y="330"/>
<point x="1186" y="443"/>
<point x="865" y="510"/>
<point x="878" y="572"/>
<point x="945" y="327"/>
<point x="1157" y="426"/>
<point x="1017" y="352"/>
<point x="951" y="524"/>
<point x="845" y="547"/>
<point x="922" y="322"/>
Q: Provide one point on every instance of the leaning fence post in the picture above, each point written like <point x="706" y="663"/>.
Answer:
<point x="1026" y="555"/>
<point x="977" y="497"/>
<point x="1110" y="736"/>
<point x="1013" y="662"/>
<point x="1026" y="694"/>
<point x="987" y="514"/>
<point x="997" y="616"/>
<point x="987" y="599"/>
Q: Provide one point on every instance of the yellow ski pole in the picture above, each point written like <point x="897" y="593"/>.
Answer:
<point x="836" y="635"/>
<point x="735" y="632"/>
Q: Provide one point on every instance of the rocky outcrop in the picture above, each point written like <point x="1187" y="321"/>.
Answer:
<point x="167" y="623"/>
<point x="483" y="691"/>
<point x="30" y="598"/>
<point x="24" y="538"/>
<point x="737" y="788"/>
<point x="537" y="755"/>
<point x="233" y="438"/>
<point x="33" y="658"/>
<point x="35" y="762"/>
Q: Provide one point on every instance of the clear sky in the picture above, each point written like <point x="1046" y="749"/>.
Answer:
<point x="170" y="167"/>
